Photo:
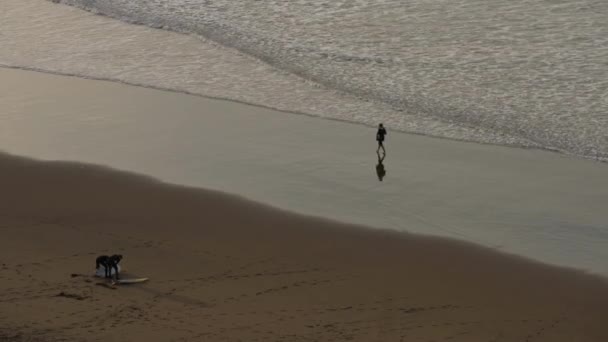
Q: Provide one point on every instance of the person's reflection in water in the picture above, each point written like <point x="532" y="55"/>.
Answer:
<point x="380" y="171"/>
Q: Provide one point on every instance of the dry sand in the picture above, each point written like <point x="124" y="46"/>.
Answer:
<point x="226" y="269"/>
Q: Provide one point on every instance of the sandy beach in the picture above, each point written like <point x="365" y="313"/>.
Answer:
<point x="185" y="153"/>
<point x="225" y="269"/>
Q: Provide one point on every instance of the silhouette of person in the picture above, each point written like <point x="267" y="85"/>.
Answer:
<point x="380" y="138"/>
<point x="380" y="171"/>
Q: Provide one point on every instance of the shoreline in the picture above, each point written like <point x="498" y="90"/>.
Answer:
<point x="531" y="145"/>
<point x="336" y="226"/>
<point x="544" y="206"/>
<point x="303" y="97"/>
<point x="242" y="42"/>
<point x="224" y="267"/>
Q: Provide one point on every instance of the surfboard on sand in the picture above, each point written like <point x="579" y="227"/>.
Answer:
<point x="129" y="281"/>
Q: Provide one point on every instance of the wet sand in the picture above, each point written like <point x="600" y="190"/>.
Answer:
<point x="543" y="205"/>
<point x="225" y="269"/>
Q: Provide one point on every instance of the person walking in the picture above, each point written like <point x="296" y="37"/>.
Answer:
<point x="380" y="138"/>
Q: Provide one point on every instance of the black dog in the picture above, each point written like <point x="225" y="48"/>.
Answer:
<point x="108" y="262"/>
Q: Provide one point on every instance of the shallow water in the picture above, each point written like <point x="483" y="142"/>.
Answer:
<point x="522" y="72"/>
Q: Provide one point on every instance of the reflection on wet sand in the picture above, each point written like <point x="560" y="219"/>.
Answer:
<point x="380" y="169"/>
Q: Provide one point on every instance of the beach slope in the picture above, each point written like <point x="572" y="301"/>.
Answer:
<point x="222" y="268"/>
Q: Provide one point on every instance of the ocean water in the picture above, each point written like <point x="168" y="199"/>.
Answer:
<point x="522" y="72"/>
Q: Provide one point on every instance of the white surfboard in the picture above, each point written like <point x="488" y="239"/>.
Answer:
<point x="130" y="281"/>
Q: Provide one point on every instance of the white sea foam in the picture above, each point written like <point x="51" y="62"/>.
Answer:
<point x="521" y="72"/>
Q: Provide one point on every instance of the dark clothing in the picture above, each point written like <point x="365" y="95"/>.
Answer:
<point x="380" y="135"/>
